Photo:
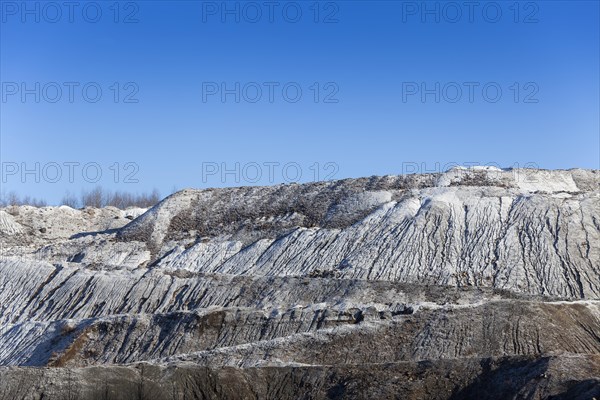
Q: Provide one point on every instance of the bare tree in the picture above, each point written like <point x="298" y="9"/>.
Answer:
<point x="97" y="197"/>
<point x="70" y="200"/>
<point x="93" y="198"/>
<point x="13" y="199"/>
<point x="38" y="202"/>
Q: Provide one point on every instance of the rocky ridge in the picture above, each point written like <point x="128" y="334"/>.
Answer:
<point x="426" y="286"/>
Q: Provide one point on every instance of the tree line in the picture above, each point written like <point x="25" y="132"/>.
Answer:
<point x="97" y="197"/>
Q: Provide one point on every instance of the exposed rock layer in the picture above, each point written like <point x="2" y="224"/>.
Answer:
<point x="422" y="286"/>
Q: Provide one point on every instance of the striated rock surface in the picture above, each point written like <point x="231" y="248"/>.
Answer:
<point x="475" y="283"/>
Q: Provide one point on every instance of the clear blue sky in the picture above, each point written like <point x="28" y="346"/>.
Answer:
<point x="367" y="113"/>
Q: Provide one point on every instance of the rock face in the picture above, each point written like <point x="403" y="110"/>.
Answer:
<point x="475" y="283"/>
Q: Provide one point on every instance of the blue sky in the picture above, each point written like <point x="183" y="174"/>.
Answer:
<point x="386" y="87"/>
